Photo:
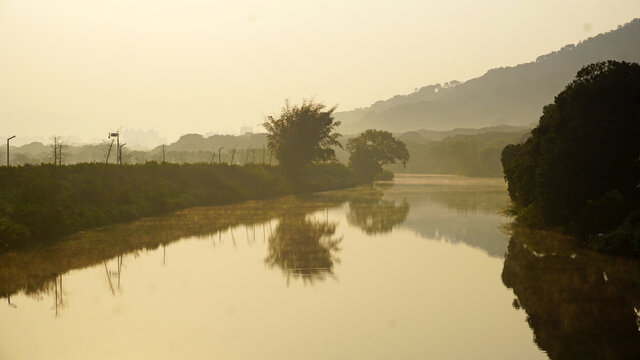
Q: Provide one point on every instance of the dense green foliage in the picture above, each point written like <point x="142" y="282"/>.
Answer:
<point x="38" y="203"/>
<point x="579" y="171"/>
<point x="303" y="134"/>
<point x="372" y="149"/>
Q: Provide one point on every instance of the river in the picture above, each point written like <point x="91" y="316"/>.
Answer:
<point x="424" y="267"/>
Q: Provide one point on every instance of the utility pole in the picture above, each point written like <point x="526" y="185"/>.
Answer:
<point x="8" y="149"/>
<point x="109" y="153"/>
<point x="219" y="159"/>
<point x="120" y="151"/>
<point x="117" y="136"/>
<point x="233" y="154"/>
<point x="163" y="153"/>
<point x="60" y="153"/>
<point x="55" y="151"/>
<point x="245" y="159"/>
<point x="213" y="156"/>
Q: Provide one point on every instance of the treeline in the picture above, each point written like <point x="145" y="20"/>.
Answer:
<point x="40" y="203"/>
<point x="469" y="152"/>
<point x="468" y="155"/>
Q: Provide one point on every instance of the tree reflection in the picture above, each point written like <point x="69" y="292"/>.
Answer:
<point x="580" y="304"/>
<point x="59" y="303"/>
<point x="32" y="269"/>
<point x="374" y="215"/>
<point x="303" y="248"/>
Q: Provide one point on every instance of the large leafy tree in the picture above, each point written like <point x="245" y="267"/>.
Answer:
<point x="579" y="171"/>
<point x="374" y="148"/>
<point x="303" y="134"/>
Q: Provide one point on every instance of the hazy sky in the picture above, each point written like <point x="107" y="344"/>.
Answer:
<point x="81" y="67"/>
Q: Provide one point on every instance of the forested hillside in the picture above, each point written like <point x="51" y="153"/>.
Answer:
<point x="507" y="95"/>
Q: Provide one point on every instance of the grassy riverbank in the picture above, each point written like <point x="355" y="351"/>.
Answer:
<point x="40" y="203"/>
<point x="33" y="269"/>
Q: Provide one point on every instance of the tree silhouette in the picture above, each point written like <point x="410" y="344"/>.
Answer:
<point x="302" y="134"/>
<point x="579" y="171"/>
<point x="373" y="149"/>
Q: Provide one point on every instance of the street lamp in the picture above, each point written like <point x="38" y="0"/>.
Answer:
<point x="117" y="136"/>
<point x="8" y="149"/>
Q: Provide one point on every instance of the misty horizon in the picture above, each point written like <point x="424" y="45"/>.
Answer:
<point x="77" y="78"/>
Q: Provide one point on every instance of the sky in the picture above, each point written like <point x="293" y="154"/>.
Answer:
<point x="81" y="68"/>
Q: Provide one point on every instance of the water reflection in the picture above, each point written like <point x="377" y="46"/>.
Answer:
<point x="113" y="276"/>
<point x="59" y="303"/>
<point x="436" y="209"/>
<point x="579" y="304"/>
<point x="399" y="295"/>
<point x="34" y="270"/>
<point x="375" y="215"/>
<point x="303" y="248"/>
<point x="455" y="210"/>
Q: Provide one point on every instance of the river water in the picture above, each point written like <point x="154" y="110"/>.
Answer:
<point x="424" y="267"/>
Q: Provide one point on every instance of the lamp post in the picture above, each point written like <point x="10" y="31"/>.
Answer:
<point x="8" y="149"/>
<point x="117" y="136"/>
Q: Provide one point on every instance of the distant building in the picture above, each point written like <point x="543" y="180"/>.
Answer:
<point x="246" y="130"/>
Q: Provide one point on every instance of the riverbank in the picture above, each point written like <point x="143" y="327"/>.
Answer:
<point x="33" y="269"/>
<point x="41" y="203"/>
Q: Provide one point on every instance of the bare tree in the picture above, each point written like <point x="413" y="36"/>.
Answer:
<point x="56" y="140"/>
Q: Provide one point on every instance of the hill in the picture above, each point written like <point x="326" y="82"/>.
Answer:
<point x="507" y="95"/>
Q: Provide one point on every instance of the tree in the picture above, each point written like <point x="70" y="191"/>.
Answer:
<point x="59" y="148"/>
<point x="579" y="171"/>
<point x="302" y="134"/>
<point x="372" y="149"/>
